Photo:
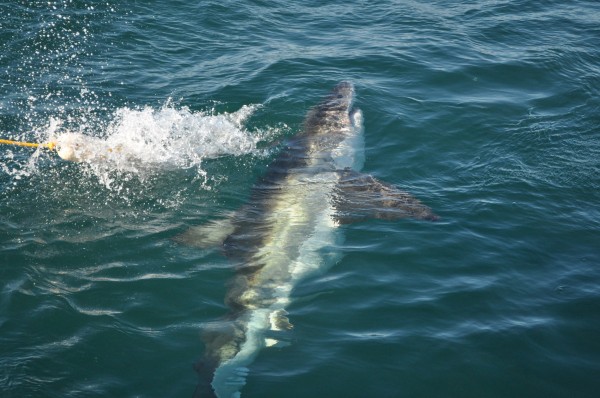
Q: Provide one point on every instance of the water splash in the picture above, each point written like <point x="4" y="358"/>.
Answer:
<point x="59" y="87"/>
<point x="144" y="141"/>
<point x="139" y="160"/>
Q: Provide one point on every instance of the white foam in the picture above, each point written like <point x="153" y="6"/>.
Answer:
<point x="132" y="145"/>
<point x="165" y="137"/>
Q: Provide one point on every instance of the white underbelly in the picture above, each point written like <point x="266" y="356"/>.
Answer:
<point x="302" y="227"/>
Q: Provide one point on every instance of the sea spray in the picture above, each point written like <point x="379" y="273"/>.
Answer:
<point x="144" y="141"/>
<point x="137" y="157"/>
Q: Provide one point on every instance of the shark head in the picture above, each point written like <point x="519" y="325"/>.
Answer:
<point x="333" y="127"/>
<point x="332" y="115"/>
<point x="340" y="98"/>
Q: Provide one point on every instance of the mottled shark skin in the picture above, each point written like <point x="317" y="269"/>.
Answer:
<point x="288" y="231"/>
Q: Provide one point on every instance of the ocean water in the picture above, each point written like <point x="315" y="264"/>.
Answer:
<point x="488" y="111"/>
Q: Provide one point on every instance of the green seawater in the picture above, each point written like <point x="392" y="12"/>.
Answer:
<point x="488" y="111"/>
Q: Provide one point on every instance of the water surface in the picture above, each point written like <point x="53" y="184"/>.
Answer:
<point x="487" y="111"/>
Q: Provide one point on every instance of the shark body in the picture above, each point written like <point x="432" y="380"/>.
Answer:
<point x="288" y="231"/>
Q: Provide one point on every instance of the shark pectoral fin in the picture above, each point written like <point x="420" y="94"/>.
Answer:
<point x="279" y="324"/>
<point x="272" y="342"/>
<point x="208" y="235"/>
<point x="279" y="320"/>
<point x="359" y="197"/>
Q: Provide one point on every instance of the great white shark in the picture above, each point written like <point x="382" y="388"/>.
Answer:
<point x="286" y="233"/>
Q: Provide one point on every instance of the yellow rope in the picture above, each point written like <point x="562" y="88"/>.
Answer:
<point x="49" y="145"/>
